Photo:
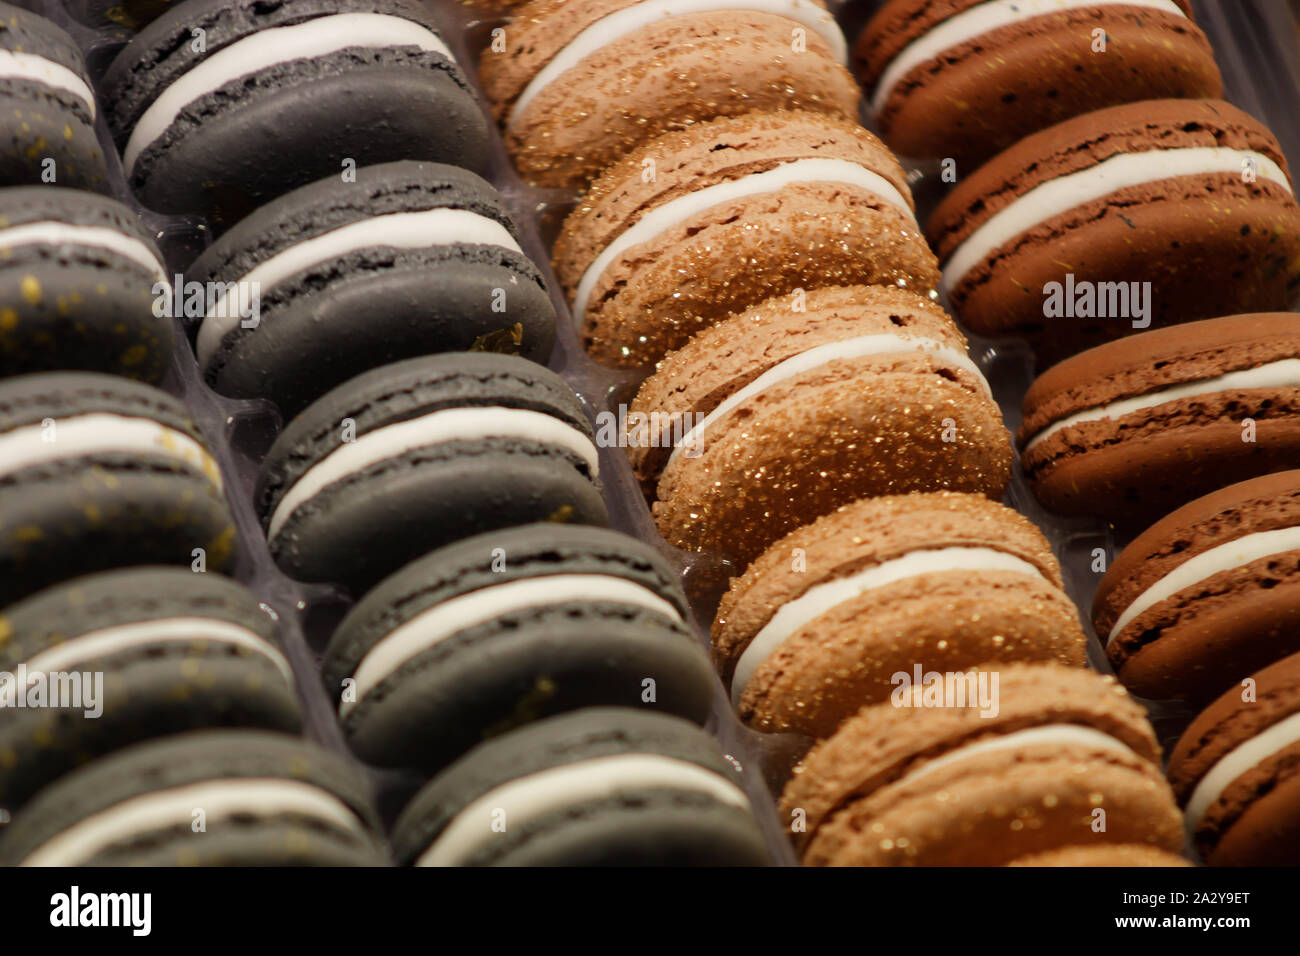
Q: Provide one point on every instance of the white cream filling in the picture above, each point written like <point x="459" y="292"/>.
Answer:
<point x="457" y="614"/>
<point x="48" y="233"/>
<point x="1201" y="567"/>
<point x="1242" y="758"/>
<point x="29" y="66"/>
<point x="629" y="20"/>
<point x="534" y="796"/>
<point x="99" y="433"/>
<point x="1284" y="373"/>
<point x="404" y="230"/>
<point x="436" y="428"/>
<point x="1060" y="195"/>
<point x="979" y="20"/>
<point x="677" y="211"/>
<point x="885" y="344"/>
<point x="267" y="48"/>
<point x="822" y="598"/>
<point x="162" y="809"/>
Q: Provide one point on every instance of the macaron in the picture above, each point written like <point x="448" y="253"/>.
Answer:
<point x="220" y="106"/>
<point x="1068" y="760"/>
<point x="713" y="219"/>
<point x="205" y="798"/>
<point x="598" y="787"/>
<point x="826" y="620"/>
<point x="49" y="134"/>
<point x="806" y="402"/>
<point x="98" y="472"/>
<point x="936" y="90"/>
<point x="335" y="279"/>
<point x="1130" y="430"/>
<point x="1234" y="772"/>
<point x="1113" y="855"/>
<point x="506" y="627"/>
<point x="421" y="453"/>
<point x="80" y="278"/>
<point x="150" y="651"/>
<point x="1207" y="595"/>
<point x="579" y="84"/>
<point x="1128" y="218"/>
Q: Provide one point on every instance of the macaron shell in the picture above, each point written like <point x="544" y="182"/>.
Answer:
<point x="1117" y="855"/>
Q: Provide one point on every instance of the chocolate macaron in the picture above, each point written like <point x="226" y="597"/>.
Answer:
<point x="1129" y="430"/>
<point x="1067" y="759"/>
<point x="338" y="278"/>
<point x="1133" y="217"/>
<point x="1236" y="770"/>
<point x="578" y="84"/>
<point x="806" y="402"/>
<point x="938" y="90"/>
<point x="1207" y="595"/>
<point x="713" y="219"/>
<point x="828" y="617"/>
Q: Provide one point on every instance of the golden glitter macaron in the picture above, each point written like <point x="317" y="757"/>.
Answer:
<point x="576" y="84"/>
<point x="806" y="402"/>
<point x="826" y="620"/>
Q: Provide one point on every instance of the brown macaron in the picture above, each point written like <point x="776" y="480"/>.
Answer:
<point x="1117" y="855"/>
<point x="1236" y="771"/>
<point x="825" y="620"/>
<point x="1209" y="594"/>
<point x="711" y="220"/>
<point x="779" y="415"/>
<point x="577" y="84"/>
<point x="1133" y="217"/>
<point x="1067" y="760"/>
<point x="937" y="91"/>
<point x="1132" y="429"/>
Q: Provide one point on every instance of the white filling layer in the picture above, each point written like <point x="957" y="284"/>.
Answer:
<point x="629" y="20"/>
<point x="672" y="214"/>
<point x="886" y="344"/>
<point x="440" y="622"/>
<point x="979" y="20"/>
<point x="1200" y="567"/>
<point x="29" y="66"/>
<point x="436" y="428"/>
<point x="267" y="48"/>
<point x="405" y="230"/>
<point x="536" y="795"/>
<point x="219" y="800"/>
<point x="822" y="598"/>
<point x="1242" y="758"/>
<point x="1060" y="195"/>
<point x="68" y="655"/>
<point x="99" y="433"/>
<point x="1284" y="373"/>
<point x="49" y="233"/>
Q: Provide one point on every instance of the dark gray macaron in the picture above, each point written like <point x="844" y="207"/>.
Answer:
<point x="149" y="652"/>
<point x="205" y="798"/>
<point x="421" y="453"/>
<point x="597" y="787"/>
<point x="48" y="137"/>
<point x="338" y="278"/>
<point x="79" y="286"/>
<point x="221" y="105"/>
<point x="506" y="627"/>
<point x="98" y="472"/>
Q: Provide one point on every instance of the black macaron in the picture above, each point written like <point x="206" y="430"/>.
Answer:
<point x="597" y="787"/>
<point x="176" y="650"/>
<point x="204" y="798"/>
<point x="409" y="259"/>
<point x="506" y="627"/>
<point x="48" y="134"/>
<point x="220" y="106"/>
<point x="99" y="472"/>
<point x="80" y="283"/>
<point x="421" y="453"/>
